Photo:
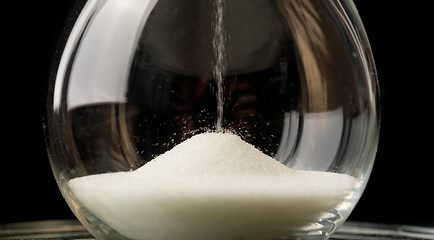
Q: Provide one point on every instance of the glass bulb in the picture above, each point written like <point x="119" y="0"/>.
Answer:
<point x="214" y="119"/>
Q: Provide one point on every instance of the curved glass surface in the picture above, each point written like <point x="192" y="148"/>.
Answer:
<point x="294" y="79"/>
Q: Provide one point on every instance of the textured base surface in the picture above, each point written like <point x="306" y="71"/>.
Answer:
<point x="72" y="229"/>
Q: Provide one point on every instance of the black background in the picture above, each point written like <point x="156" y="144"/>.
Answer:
<point x="400" y="189"/>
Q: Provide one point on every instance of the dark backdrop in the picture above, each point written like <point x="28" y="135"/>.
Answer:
<point x="400" y="189"/>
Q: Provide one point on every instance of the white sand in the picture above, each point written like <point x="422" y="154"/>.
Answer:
<point x="211" y="186"/>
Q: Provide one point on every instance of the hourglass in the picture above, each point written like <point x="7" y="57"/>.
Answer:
<point x="213" y="119"/>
